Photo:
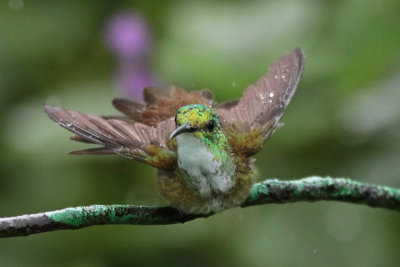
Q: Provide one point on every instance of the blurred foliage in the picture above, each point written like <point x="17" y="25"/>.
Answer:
<point x="344" y="121"/>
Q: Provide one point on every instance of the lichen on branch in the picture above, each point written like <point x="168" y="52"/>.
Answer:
<point x="267" y="192"/>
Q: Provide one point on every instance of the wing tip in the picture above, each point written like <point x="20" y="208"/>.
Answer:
<point x="48" y="109"/>
<point x="298" y="50"/>
<point x="301" y="56"/>
<point x="52" y="112"/>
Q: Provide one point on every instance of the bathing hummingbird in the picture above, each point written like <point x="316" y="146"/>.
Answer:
<point x="202" y="150"/>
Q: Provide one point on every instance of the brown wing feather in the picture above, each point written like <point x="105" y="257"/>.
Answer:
<point x="129" y="139"/>
<point x="208" y="95"/>
<point x="152" y="94"/>
<point x="167" y="106"/>
<point x="93" y="151"/>
<point x="227" y="104"/>
<point x="263" y="103"/>
<point x="130" y="108"/>
<point x="160" y="104"/>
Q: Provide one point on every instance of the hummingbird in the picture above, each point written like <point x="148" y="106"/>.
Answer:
<point x="202" y="150"/>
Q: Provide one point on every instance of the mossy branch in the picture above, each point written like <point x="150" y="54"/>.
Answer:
<point x="267" y="192"/>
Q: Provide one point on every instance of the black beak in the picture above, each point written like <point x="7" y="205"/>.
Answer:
<point x="184" y="128"/>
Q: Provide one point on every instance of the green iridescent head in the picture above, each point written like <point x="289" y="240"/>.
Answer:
<point x="200" y="120"/>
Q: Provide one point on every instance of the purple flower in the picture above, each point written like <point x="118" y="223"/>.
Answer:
<point x="129" y="38"/>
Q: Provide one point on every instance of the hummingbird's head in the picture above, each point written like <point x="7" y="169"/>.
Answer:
<point x="200" y="120"/>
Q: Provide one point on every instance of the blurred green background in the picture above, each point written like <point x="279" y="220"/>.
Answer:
<point x="344" y="121"/>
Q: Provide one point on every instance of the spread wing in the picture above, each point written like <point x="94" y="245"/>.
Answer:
<point x="264" y="102"/>
<point x="119" y="135"/>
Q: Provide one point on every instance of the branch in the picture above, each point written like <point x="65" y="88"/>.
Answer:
<point x="267" y="192"/>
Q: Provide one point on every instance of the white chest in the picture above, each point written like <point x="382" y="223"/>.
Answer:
<point x="206" y="174"/>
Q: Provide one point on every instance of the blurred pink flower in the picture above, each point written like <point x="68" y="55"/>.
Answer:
<point x="128" y="36"/>
<point x="129" y="39"/>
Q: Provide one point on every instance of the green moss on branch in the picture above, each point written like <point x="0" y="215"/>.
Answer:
<point x="267" y="192"/>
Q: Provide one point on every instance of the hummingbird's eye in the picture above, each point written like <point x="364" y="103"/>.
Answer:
<point x="211" y="125"/>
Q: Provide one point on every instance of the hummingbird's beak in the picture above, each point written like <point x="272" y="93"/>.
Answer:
<point x="184" y="128"/>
